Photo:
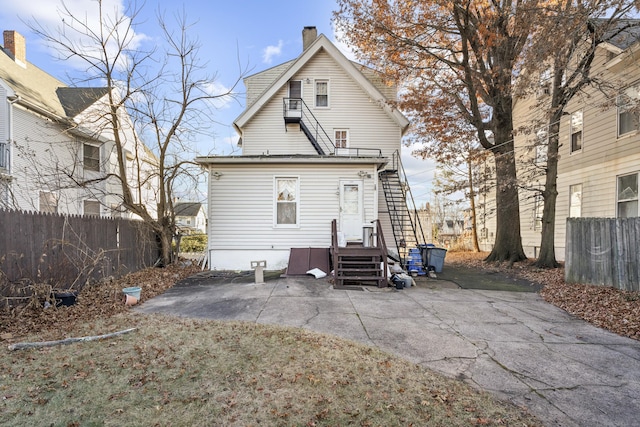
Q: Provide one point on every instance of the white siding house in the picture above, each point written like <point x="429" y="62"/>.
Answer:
<point x="51" y="142"/>
<point x="599" y="155"/>
<point x="317" y="134"/>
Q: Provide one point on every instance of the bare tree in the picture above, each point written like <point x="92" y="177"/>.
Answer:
<point x="565" y="65"/>
<point x="157" y="102"/>
<point x="460" y="57"/>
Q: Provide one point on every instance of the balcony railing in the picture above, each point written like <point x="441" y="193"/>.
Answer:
<point x="295" y="110"/>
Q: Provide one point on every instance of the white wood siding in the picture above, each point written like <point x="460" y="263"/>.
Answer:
<point x="241" y="205"/>
<point x="596" y="166"/>
<point x="349" y="108"/>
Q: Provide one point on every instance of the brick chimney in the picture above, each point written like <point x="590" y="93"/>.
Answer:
<point x="309" y="35"/>
<point x="16" y="46"/>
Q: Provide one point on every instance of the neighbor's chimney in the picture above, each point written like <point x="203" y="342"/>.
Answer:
<point x="15" y="45"/>
<point x="309" y="35"/>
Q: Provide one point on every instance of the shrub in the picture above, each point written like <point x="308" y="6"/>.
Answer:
<point x="193" y="243"/>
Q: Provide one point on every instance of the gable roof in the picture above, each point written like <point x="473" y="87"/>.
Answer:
<point x="321" y="43"/>
<point x="187" y="208"/>
<point x="38" y="90"/>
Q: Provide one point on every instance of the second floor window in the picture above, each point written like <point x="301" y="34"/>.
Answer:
<point x="322" y="93"/>
<point x="91" y="157"/>
<point x="576" y="131"/>
<point x="628" y="196"/>
<point x="628" y="114"/>
<point x="341" y="138"/>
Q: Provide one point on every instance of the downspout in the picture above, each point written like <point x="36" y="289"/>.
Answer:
<point x="16" y="98"/>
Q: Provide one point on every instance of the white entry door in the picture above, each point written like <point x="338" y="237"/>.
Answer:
<point x="351" y="212"/>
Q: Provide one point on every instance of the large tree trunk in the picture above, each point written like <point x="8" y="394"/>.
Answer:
<point x="547" y="256"/>
<point x="508" y="243"/>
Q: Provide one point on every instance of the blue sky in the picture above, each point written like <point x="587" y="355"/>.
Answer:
<point x="247" y="34"/>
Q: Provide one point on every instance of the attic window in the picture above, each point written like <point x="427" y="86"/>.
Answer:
<point x="322" y="93"/>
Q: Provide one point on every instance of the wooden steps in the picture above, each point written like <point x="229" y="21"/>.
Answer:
<point x="357" y="265"/>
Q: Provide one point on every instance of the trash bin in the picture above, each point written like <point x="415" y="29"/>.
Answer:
<point x="436" y="258"/>
<point x="425" y="251"/>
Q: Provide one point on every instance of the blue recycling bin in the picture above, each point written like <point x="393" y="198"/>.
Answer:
<point x="414" y="262"/>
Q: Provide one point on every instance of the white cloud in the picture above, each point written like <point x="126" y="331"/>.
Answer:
<point x="270" y="52"/>
<point x="52" y="18"/>
<point x="226" y="96"/>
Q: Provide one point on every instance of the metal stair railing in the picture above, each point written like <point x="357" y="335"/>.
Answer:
<point x="407" y="205"/>
<point x="295" y="110"/>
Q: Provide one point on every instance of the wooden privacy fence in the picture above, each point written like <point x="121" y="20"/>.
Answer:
<point x="66" y="251"/>
<point x="603" y="251"/>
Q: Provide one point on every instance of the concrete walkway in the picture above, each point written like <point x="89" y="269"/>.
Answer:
<point x="512" y="344"/>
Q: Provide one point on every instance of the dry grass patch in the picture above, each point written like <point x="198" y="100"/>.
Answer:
<point x="180" y="372"/>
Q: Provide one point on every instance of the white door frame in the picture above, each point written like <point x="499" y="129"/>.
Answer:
<point x="351" y="220"/>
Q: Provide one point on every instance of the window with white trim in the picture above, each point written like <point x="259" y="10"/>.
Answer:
<point x="48" y="202"/>
<point x="91" y="208"/>
<point x="538" y="209"/>
<point x="628" y="114"/>
<point x="627" y="196"/>
<point x="287" y="190"/>
<point x="322" y="93"/>
<point x="341" y="138"/>
<point x="542" y="147"/>
<point x="576" y="131"/>
<point x="295" y="94"/>
<point x="91" y="157"/>
<point x="575" y="200"/>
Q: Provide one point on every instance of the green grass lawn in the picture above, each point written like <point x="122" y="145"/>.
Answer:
<point x="180" y="372"/>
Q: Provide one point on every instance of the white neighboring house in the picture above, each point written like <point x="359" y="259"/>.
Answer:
<point x="50" y="141"/>
<point x="320" y="141"/>
<point x="599" y="155"/>
<point x="191" y="217"/>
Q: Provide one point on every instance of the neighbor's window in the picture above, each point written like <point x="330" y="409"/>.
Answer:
<point x="537" y="211"/>
<point x="628" y="116"/>
<point x="575" y="200"/>
<point x="576" y="131"/>
<point x="322" y="93"/>
<point x="91" y="157"/>
<point x="542" y="146"/>
<point x="48" y="202"/>
<point x="341" y="138"/>
<point x="91" y="208"/>
<point x="286" y="199"/>
<point x="628" y="196"/>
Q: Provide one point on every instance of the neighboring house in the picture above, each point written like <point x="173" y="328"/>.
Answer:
<point x="599" y="164"/>
<point x="191" y="217"/>
<point x="320" y="142"/>
<point x="54" y="154"/>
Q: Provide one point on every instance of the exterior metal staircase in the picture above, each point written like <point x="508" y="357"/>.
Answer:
<point x="359" y="265"/>
<point x="295" y="110"/>
<point x="403" y="212"/>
